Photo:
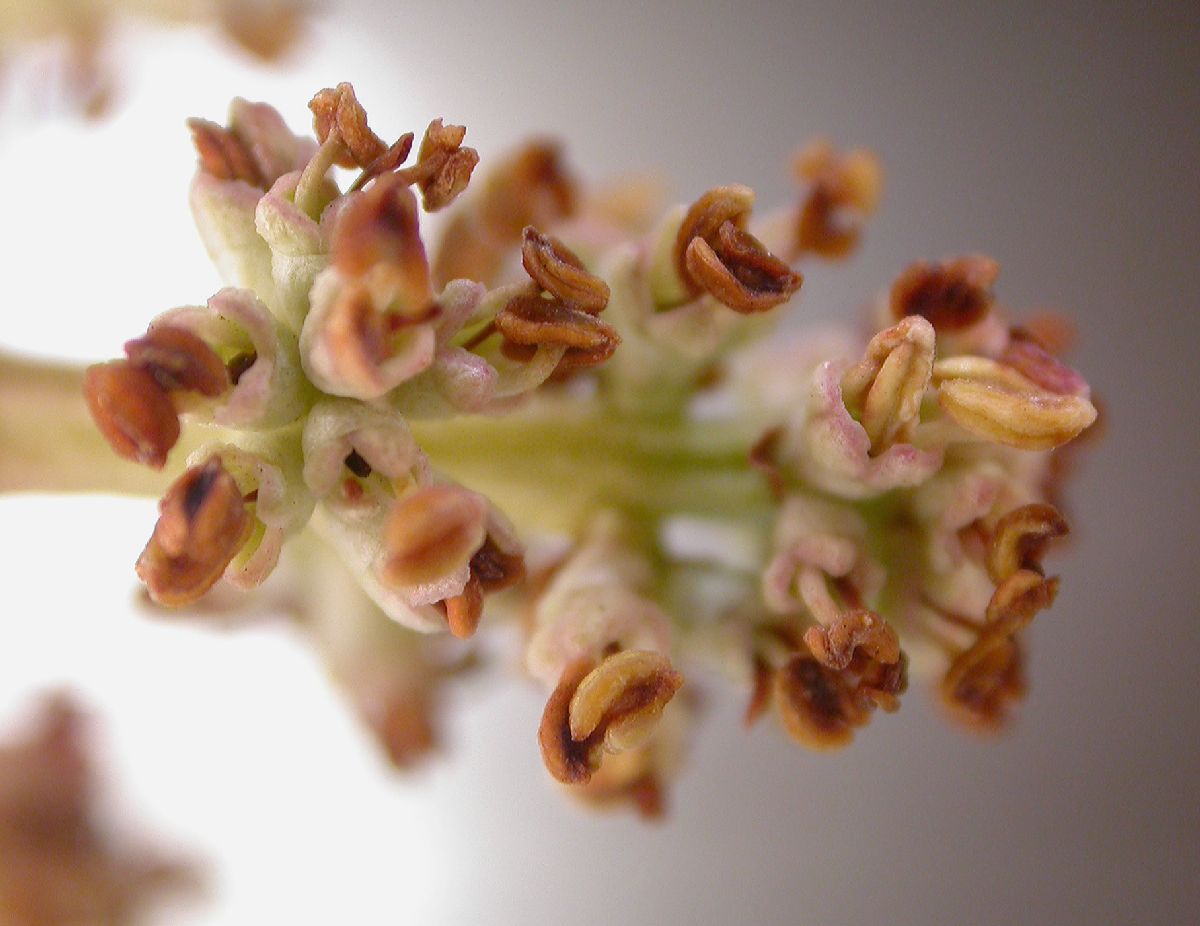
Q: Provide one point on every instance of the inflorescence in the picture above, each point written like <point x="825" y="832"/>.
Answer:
<point x="810" y="516"/>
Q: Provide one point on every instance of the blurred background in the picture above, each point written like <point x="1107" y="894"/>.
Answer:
<point x="1062" y="139"/>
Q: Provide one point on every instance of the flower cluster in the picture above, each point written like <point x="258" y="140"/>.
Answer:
<point x="809" y="516"/>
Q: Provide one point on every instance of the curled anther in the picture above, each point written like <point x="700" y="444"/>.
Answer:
<point x="1018" y="599"/>
<point x="223" y="154"/>
<point x="885" y="389"/>
<point x="953" y="294"/>
<point x="704" y="220"/>
<point x="985" y="681"/>
<point x="443" y="167"/>
<point x="337" y="112"/>
<point x="203" y="524"/>
<point x="431" y="532"/>
<point x="530" y="321"/>
<point x="987" y="678"/>
<point x="556" y="269"/>
<point x="843" y="189"/>
<point x="1020" y="537"/>
<point x="614" y="706"/>
<point x="739" y="272"/>
<point x="835" y="645"/>
<point x="998" y="403"/>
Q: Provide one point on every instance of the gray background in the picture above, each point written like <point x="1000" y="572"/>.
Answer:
<point x="1061" y="140"/>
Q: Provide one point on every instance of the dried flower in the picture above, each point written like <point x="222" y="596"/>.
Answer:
<point x="806" y="515"/>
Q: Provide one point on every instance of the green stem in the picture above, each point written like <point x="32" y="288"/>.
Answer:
<point x="550" y="466"/>
<point x="48" y="442"/>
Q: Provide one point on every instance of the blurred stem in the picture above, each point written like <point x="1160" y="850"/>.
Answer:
<point x="551" y="466"/>
<point x="48" y="442"/>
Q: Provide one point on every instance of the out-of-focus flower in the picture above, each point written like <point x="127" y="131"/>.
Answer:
<point x="805" y="515"/>
<point x="57" y="864"/>
<point x="79" y="32"/>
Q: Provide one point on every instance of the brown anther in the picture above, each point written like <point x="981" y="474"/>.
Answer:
<point x="835" y="645"/>
<point x="739" y="272"/>
<point x="567" y="760"/>
<point x="843" y="190"/>
<point x="817" y="705"/>
<point x="704" y="219"/>
<point x="1020" y="537"/>
<point x="998" y="403"/>
<point x="179" y="361"/>
<point x="762" y="459"/>
<point x="495" y="569"/>
<point x="1018" y="599"/>
<point x="1027" y="356"/>
<point x="337" y="112"/>
<point x="622" y="699"/>
<point x="203" y="524"/>
<point x="953" y="294"/>
<point x="431" y="532"/>
<point x="443" y="167"/>
<point x="614" y="706"/>
<point x="531" y="187"/>
<point x="984" y="682"/>
<point x="532" y="321"/>
<point x="464" y="611"/>
<point x="134" y="413"/>
<point x="223" y="155"/>
<point x="381" y="227"/>
<point x="556" y="269"/>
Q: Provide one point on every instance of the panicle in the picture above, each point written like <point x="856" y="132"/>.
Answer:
<point x="801" y="515"/>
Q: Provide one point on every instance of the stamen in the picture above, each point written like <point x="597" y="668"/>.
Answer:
<point x="739" y="272"/>
<point x="836" y="644"/>
<point x="532" y="321"/>
<point x="998" y="403"/>
<point x="203" y="524"/>
<point x="557" y="270"/>
<point x="843" y="190"/>
<point x="1020" y="537"/>
<point x="614" y="706"/>
<point x="337" y="113"/>
<point x="223" y="155"/>
<point x="954" y="294"/>
<point x="431" y="532"/>
<point x="132" y="411"/>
